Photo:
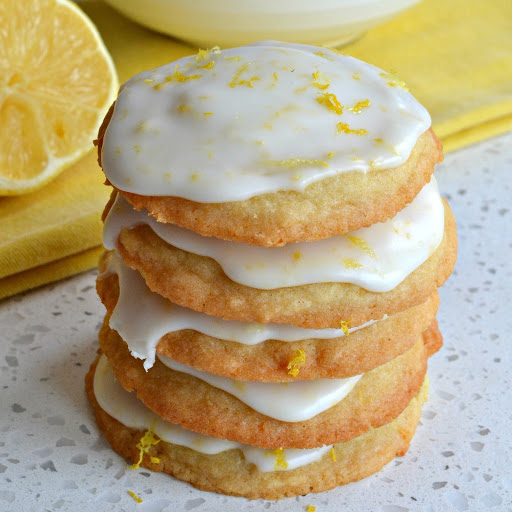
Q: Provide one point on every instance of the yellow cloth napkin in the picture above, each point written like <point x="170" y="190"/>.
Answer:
<point x="456" y="58"/>
<point x="47" y="234"/>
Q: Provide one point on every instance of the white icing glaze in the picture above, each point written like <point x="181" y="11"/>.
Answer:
<point x="224" y="135"/>
<point x="290" y="402"/>
<point x="393" y="248"/>
<point x="265" y="460"/>
<point x="131" y="412"/>
<point x="142" y="317"/>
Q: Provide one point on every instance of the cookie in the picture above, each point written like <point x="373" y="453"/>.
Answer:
<point x="359" y="352"/>
<point x="330" y="207"/>
<point x="272" y="143"/>
<point x="229" y="473"/>
<point x="377" y="398"/>
<point x="199" y="283"/>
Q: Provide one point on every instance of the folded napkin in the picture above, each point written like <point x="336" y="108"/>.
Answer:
<point x="454" y="56"/>
<point x="54" y="232"/>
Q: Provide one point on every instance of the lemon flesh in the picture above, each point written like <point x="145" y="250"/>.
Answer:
<point x="57" y="81"/>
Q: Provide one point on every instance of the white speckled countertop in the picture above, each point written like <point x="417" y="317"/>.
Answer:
<point x="53" y="458"/>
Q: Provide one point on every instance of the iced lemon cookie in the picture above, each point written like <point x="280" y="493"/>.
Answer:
<point x="268" y="144"/>
<point x="301" y="414"/>
<point x="381" y="269"/>
<point x="235" y="468"/>
<point x="250" y="351"/>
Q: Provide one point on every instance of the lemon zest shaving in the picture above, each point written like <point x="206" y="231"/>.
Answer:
<point x="298" y="359"/>
<point x="204" y="54"/>
<point x="280" y="460"/>
<point x="144" y="445"/>
<point x="359" y="106"/>
<point x="331" y="102"/>
<point x="351" y="264"/>
<point x="210" y="154"/>
<point x="333" y="454"/>
<point x="344" y="327"/>
<point x="241" y="386"/>
<point x="194" y="177"/>
<point x="311" y="508"/>
<point x="207" y="66"/>
<point x="320" y="80"/>
<point x="345" y="128"/>
<point x="297" y="255"/>
<point x="177" y="76"/>
<point x="249" y="82"/>
<point x="149" y="81"/>
<point x="362" y="244"/>
<point x="393" y="80"/>
<point x="142" y="127"/>
<point x="135" y="497"/>
<point x="183" y="108"/>
<point x="155" y="460"/>
<point x="388" y="146"/>
<point x="322" y="54"/>
<point x="235" y="80"/>
<point x="294" y="162"/>
<point x="236" y="58"/>
<point x="356" y="77"/>
<point x="207" y="113"/>
<point x="330" y="155"/>
<point x="136" y="148"/>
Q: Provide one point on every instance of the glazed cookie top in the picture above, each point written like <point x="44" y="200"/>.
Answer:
<point x="225" y="126"/>
<point x="377" y="258"/>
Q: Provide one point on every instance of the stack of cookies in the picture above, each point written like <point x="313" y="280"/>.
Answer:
<point x="275" y="239"/>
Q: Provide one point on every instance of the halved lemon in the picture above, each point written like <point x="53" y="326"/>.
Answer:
<point x="57" y="81"/>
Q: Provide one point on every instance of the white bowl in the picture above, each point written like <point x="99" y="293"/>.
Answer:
<point x="208" y="23"/>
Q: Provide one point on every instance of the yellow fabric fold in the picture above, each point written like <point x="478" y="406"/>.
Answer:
<point x="61" y="219"/>
<point x="456" y="58"/>
<point x="50" y="272"/>
<point x="54" y="232"/>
